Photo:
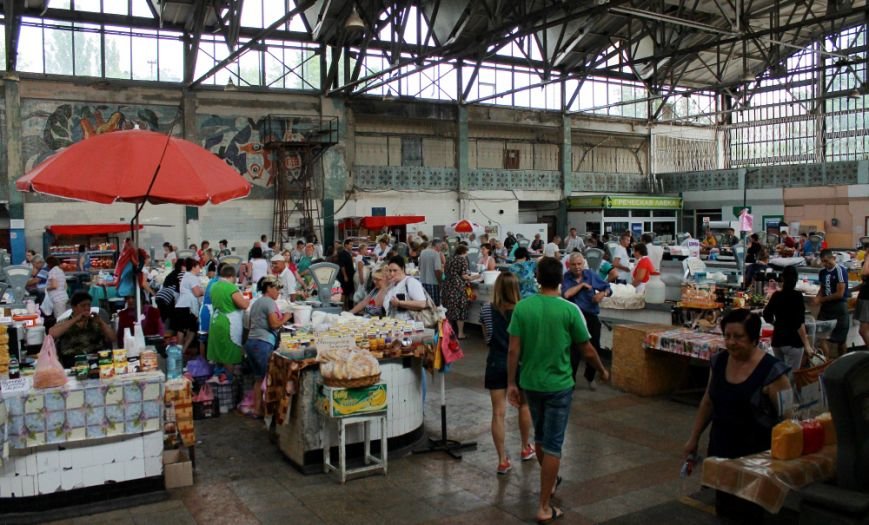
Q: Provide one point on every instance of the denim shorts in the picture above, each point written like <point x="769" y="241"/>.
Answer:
<point x="258" y="354"/>
<point x="549" y="411"/>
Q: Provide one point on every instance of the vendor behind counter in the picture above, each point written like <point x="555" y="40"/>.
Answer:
<point x="82" y="333"/>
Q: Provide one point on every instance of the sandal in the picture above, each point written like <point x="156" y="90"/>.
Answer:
<point x="558" y="481"/>
<point x="556" y="515"/>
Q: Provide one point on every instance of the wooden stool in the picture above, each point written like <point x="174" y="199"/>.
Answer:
<point x="372" y="463"/>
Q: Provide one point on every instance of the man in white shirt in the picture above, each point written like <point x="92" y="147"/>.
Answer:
<point x="621" y="261"/>
<point x="551" y="249"/>
<point x="573" y="241"/>
<point x="288" y="279"/>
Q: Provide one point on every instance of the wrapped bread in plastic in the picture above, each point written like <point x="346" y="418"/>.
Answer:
<point x="826" y="420"/>
<point x="787" y="440"/>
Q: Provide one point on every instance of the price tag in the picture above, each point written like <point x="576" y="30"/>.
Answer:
<point x="9" y="386"/>
<point x="334" y="342"/>
<point x="5" y="320"/>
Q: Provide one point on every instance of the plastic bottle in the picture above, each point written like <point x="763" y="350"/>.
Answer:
<point x="174" y="360"/>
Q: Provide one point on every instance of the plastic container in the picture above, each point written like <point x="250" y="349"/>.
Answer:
<point x="656" y="290"/>
<point x="174" y="360"/>
<point x="490" y="276"/>
<point x="302" y="314"/>
<point x="787" y="440"/>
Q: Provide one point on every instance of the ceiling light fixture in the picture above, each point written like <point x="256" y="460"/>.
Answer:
<point x="354" y="22"/>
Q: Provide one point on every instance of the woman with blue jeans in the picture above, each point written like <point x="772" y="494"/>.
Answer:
<point x="265" y="320"/>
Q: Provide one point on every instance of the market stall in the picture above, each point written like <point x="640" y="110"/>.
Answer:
<point x="372" y="226"/>
<point x="83" y="434"/>
<point x="295" y="395"/>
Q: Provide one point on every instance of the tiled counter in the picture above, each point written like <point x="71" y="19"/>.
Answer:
<point x="80" y="435"/>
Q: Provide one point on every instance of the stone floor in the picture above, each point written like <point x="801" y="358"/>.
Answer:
<point x="621" y="456"/>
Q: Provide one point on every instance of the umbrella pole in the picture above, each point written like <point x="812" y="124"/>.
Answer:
<point x="135" y="240"/>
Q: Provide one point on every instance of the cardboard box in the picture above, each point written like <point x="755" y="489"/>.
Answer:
<point x="343" y="402"/>
<point x="177" y="469"/>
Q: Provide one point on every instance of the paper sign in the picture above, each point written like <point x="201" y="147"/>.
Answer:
<point x="335" y="342"/>
<point x="8" y="386"/>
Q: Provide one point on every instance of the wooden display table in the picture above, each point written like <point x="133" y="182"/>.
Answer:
<point x="638" y="370"/>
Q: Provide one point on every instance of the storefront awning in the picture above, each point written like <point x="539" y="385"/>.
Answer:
<point x="85" y="230"/>
<point x="374" y="223"/>
<point x="624" y="202"/>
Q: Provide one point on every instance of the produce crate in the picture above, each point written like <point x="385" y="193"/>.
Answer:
<point x="206" y="409"/>
<point x="343" y="402"/>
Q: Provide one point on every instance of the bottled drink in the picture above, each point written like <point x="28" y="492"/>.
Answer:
<point x="174" y="360"/>
<point x="14" y="369"/>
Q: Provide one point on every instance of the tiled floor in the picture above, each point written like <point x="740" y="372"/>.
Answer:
<point x="622" y="455"/>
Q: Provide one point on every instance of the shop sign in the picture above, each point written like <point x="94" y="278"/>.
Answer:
<point x="597" y="202"/>
<point x="651" y="202"/>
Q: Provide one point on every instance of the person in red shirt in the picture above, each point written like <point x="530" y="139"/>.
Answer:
<point x="643" y="269"/>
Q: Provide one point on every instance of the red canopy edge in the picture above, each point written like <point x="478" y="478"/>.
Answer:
<point x="83" y="230"/>
<point x="372" y="223"/>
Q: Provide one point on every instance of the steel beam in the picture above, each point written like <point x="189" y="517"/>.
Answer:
<point x="12" y="10"/>
<point x="301" y="6"/>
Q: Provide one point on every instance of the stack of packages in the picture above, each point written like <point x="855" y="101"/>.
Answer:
<point x="4" y="350"/>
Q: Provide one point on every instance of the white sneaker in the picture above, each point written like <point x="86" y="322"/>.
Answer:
<point x="592" y="385"/>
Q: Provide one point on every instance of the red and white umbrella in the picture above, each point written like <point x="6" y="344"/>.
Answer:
<point x="464" y="227"/>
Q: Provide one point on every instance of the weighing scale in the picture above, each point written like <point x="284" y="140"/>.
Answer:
<point x="324" y="275"/>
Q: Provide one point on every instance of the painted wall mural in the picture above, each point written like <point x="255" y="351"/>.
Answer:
<point x="47" y="127"/>
<point x="240" y="141"/>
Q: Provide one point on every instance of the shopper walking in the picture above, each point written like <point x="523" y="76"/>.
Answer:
<point x="431" y="270"/>
<point x="862" y="311"/>
<point x="833" y="299"/>
<point x="585" y="289"/>
<point x="495" y="318"/>
<point x="786" y="311"/>
<point x="542" y="330"/>
<point x="455" y="296"/>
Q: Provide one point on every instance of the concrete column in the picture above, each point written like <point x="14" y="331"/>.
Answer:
<point x="14" y="165"/>
<point x="462" y="147"/>
<point x="190" y="226"/>
<point x="566" y="173"/>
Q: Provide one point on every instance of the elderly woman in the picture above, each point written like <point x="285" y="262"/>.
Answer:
<point x="265" y="321"/>
<point x="453" y="294"/>
<point x="372" y="305"/>
<point x="740" y="402"/>
<point x="56" y="286"/>
<point x="224" y="335"/>
<point x="405" y="294"/>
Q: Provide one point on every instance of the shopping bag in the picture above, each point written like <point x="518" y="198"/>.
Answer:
<point x="205" y="394"/>
<point x="47" y="306"/>
<point x="450" y="344"/>
<point x="49" y="371"/>
<point x="199" y="367"/>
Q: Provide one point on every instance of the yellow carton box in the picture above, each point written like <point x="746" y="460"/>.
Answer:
<point x="343" y="402"/>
